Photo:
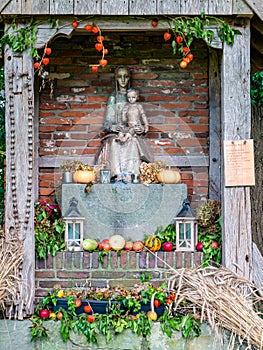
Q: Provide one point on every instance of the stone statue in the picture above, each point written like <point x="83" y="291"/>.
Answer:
<point x="124" y="146"/>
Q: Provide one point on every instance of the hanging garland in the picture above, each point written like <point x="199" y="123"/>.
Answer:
<point x="181" y="33"/>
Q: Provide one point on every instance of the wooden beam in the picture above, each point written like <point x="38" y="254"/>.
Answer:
<point x="257" y="7"/>
<point x="21" y="168"/>
<point x="215" y="57"/>
<point x="236" y="123"/>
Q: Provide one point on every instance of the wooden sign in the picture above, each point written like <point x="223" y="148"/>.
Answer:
<point x="239" y="163"/>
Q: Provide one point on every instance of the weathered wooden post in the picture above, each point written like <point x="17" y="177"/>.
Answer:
<point x="236" y="123"/>
<point x="21" y="169"/>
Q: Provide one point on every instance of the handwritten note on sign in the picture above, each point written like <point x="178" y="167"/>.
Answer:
<point x="239" y="163"/>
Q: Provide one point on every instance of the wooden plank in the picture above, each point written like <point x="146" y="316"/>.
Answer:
<point x="258" y="269"/>
<point x="180" y="161"/>
<point x="142" y="7"/>
<point x="62" y="7"/>
<point x="215" y="57"/>
<point x="35" y="7"/>
<point x="257" y="7"/>
<point x="84" y="7"/>
<point x="12" y="7"/>
<point x="168" y="7"/>
<point x="240" y="7"/>
<point x="192" y="7"/>
<point x="120" y="7"/>
<point x="20" y="187"/>
<point x="219" y="7"/>
<point x="236" y="123"/>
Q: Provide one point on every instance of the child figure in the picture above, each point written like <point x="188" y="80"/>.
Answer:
<point x="133" y="116"/>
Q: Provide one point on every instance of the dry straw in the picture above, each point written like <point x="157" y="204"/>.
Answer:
<point x="223" y="299"/>
<point x="11" y="258"/>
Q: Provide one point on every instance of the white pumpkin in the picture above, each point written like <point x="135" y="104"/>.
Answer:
<point x="117" y="242"/>
<point x="168" y="176"/>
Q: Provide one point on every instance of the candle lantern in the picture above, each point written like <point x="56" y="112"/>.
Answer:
<point x="186" y="228"/>
<point x="74" y="226"/>
<point x="105" y="175"/>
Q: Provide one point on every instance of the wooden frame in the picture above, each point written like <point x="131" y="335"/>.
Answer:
<point x="22" y="116"/>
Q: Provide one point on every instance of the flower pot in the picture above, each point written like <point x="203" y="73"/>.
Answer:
<point x="84" y="176"/>
<point x="98" y="306"/>
<point x="67" y="177"/>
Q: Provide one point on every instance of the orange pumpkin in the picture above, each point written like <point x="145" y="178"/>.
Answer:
<point x="84" y="176"/>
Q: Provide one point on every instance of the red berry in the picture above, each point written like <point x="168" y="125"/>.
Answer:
<point x="103" y="62"/>
<point x="100" y="38"/>
<point x="36" y="65"/>
<point x="155" y="22"/>
<point x="95" y="30"/>
<point x="179" y="39"/>
<point x="47" y="51"/>
<point x="94" y="68"/>
<point x="45" y="61"/>
<point x="99" y="46"/>
<point x="75" y="24"/>
<point x="88" y="27"/>
<point x="167" y="36"/>
<point x="190" y="56"/>
<point x="186" y="49"/>
<point x="157" y="303"/>
<point x="91" y="318"/>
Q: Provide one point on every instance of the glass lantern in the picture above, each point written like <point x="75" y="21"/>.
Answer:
<point x="74" y="227"/>
<point x="186" y="228"/>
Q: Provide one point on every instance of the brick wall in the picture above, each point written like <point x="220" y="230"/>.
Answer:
<point x="175" y="101"/>
<point x="71" y="269"/>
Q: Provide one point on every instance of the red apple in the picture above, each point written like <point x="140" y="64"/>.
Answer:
<point x="168" y="246"/>
<point x="101" y="244"/>
<point x="106" y="247"/>
<point x="128" y="245"/>
<point x="199" y="247"/>
<point x="138" y="246"/>
<point x="44" y="313"/>
<point x="214" y="245"/>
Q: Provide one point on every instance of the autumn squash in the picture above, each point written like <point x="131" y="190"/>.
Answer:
<point x="169" y="176"/>
<point x="84" y="176"/>
<point x="117" y="242"/>
<point x="153" y="243"/>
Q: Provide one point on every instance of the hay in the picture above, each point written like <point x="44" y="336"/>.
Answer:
<point x="221" y="298"/>
<point x="11" y="258"/>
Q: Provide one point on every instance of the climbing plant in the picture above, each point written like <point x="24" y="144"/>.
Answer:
<point x="257" y="88"/>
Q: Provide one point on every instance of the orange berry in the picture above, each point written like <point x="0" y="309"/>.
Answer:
<point x="88" y="27"/>
<point x="103" y="62"/>
<point x="95" y="30"/>
<point x="99" y="46"/>
<point x="183" y="64"/>
<point x="47" y="51"/>
<point x="36" y="65"/>
<point x="45" y="61"/>
<point x="75" y="24"/>
<point x="94" y="68"/>
<point x="90" y="318"/>
<point x="100" y="38"/>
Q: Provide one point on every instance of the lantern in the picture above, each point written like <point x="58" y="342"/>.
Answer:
<point x="105" y="176"/>
<point x="74" y="226"/>
<point x="186" y="228"/>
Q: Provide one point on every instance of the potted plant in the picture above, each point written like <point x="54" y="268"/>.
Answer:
<point x="84" y="174"/>
<point x="68" y="167"/>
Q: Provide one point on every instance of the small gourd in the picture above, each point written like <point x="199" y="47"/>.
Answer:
<point x="169" y="176"/>
<point x="117" y="242"/>
<point x="84" y="176"/>
<point x="153" y="243"/>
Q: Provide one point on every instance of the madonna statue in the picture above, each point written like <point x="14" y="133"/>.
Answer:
<point x="123" y="155"/>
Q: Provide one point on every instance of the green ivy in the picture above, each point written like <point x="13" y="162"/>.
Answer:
<point x="257" y="89"/>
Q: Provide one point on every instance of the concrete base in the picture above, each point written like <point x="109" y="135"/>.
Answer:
<point x="15" y="335"/>
<point x="132" y="210"/>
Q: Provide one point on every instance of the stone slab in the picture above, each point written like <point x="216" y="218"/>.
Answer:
<point x="132" y="210"/>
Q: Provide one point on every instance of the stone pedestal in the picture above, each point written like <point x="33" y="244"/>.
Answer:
<point x="132" y="210"/>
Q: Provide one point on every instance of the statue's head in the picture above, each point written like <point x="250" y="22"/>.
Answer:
<point x="122" y="77"/>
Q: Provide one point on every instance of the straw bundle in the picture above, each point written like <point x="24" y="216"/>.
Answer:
<point x="11" y="258"/>
<point x="221" y="298"/>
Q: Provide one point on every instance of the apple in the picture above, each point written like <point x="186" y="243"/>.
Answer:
<point x="106" y="247"/>
<point x="168" y="246"/>
<point x="199" y="247"/>
<point x="138" y="246"/>
<point x="128" y="245"/>
<point x="214" y="245"/>
<point x="101" y="244"/>
<point x="44" y="313"/>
